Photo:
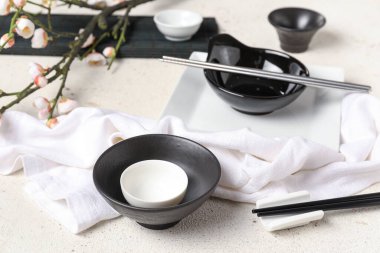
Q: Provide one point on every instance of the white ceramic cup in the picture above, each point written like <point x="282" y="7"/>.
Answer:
<point x="178" y="25"/>
<point x="153" y="184"/>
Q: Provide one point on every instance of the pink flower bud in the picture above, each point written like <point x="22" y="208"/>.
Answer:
<point x="24" y="27"/>
<point x="5" y="7"/>
<point x="95" y="59"/>
<point x="41" y="103"/>
<point x="66" y="105"/>
<point x="40" y="38"/>
<point x="44" y="113"/>
<point x="5" y="42"/>
<point x="36" y="69"/>
<point x="90" y="40"/>
<point x="109" y="52"/>
<point x="19" y="3"/>
<point x="40" y="81"/>
<point x="52" y="122"/>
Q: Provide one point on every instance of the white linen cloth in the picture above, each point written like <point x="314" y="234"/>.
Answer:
<point x="59" y="161"/>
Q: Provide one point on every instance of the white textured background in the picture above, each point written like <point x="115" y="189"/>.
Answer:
<point x="350" y="39"/>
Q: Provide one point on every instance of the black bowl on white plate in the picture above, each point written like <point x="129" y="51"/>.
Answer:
<point x="200" y="165"/>
<point x="250" y="94"/>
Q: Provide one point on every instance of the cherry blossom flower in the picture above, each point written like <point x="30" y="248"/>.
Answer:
<point x="40" y="81"/>
<point x="5" y="7"/>
<point x="24" y="27"/>
<point x="52" y="122"/>
<point x="109" y="52"/>
<point x="19" y="3"/>
<point x="95" y="59"/>
<point x="40" y="38"/>
<point x="66" y="105"/>
<point x="36" y="69"/>
<point x="44" y="113"/>
<point x="41" y="103"/>
<point x="90" y="40"/>
<point x="5" y="42"/>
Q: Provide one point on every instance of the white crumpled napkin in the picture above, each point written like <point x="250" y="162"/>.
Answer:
<point x="59" y="161"/>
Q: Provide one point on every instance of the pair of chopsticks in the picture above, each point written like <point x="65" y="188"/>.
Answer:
<point x="364" y="200"/>
<point x="307" y="81"/>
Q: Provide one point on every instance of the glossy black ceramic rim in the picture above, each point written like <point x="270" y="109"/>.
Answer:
<point x="300" y="89"/>
<point x="217" y="86"/>
<point x="270" y="19"/>
<point x="163" y="208"/>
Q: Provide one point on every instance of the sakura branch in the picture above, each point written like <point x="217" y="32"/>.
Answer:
<point x="26" y="25"/>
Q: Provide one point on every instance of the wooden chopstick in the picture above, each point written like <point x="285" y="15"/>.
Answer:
<point x="356" y="201"/>
<point x="308" y="81"/>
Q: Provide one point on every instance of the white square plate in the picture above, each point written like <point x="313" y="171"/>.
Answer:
<point x="315" y="114"/>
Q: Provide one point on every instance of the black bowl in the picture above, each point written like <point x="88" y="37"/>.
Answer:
<point x="249" y="94"/>
<point x="201" y="166"/>
<point x="296" y="27"/>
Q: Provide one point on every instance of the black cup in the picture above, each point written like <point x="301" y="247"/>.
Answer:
<point x="296" y="27"/>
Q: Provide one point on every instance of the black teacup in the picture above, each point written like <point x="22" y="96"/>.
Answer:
<point x="296" y="27"/>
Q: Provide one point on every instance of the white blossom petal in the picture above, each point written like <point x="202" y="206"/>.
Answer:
<point x="24" y="27"/>
<point x="90" y="40"/>
<point x="5" y="39"/>
<point x="95" y="59"/>
<point x="40" y="38"/>
<point x="109" y="52"/>
<point x="36" y="69"/>
<point x="40" y="81"/>
<point x="41" y="103"/>
<point x="44" y="113"/>
<point x="66" y="105"/>
<point x="5" y="7"/>
<point x="19" y="3"/>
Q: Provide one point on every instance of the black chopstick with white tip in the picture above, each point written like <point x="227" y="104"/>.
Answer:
<point x="357" y="201"/>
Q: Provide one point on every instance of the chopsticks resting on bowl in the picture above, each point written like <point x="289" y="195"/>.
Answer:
<point x="356" y="201"/>
<point x="307" y="81"/>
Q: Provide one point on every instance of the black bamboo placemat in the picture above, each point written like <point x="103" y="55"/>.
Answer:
<point x="143" y="40"/>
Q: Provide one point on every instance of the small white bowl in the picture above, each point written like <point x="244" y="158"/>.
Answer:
<point x="153" y="184"/>
<point x="178" y="25"/>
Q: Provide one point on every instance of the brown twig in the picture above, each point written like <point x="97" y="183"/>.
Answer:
<point x="11" y="27"/>
<point x="29" y="89"/>
<point x="82" y="4"/>
<point x="64" y="74"/>
<point x="95" y="44"/>
<point x="37" y="4"/>
<point x="75" y="45"/>
<point x="121" y="39"/>
<point x="47" y="29"/>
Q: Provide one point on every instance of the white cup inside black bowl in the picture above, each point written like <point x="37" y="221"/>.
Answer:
<point x="200" y="165"/>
